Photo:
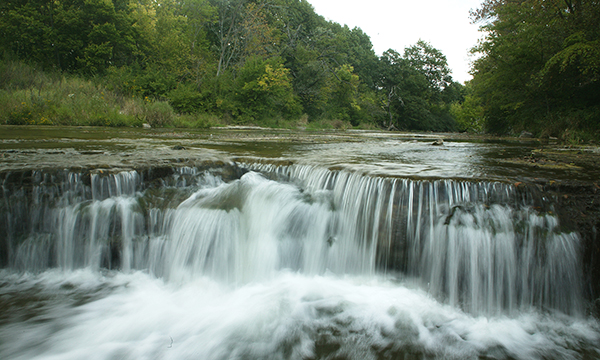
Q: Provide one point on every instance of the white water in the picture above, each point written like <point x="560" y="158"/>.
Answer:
<point x="290" y="316"/>
<point x="291" y="269"/>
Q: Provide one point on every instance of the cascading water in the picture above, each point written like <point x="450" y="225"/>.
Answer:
<point x="479" y="246"/>
<point x="284" y="262"/>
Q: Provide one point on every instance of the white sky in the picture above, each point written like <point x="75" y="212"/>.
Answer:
<point x="396" y="24"/>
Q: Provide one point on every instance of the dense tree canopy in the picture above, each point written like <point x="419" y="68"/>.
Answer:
<point x="539" y="68"/>
<point x="242" y="60"/>
<point x="248" y="61"/>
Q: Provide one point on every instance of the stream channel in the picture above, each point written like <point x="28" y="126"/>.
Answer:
<point x="274" y="244"/>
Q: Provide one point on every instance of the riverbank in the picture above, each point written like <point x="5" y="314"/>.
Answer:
<point x="29" y="96"/>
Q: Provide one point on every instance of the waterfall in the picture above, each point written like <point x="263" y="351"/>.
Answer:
<point x="479" y="246"/>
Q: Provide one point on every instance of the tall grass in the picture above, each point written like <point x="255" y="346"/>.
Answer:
<point x="32" y="97"/>
<point x="29" y="96"/>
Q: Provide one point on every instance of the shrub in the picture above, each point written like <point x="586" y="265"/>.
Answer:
<point x="158" y="114"/>
<point x="186" y="99"/>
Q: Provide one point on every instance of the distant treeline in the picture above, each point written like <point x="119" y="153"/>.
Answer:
<point x="244" y="61"/>
<point x="272" y="61"/>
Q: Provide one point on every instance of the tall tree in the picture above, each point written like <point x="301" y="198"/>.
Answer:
<point x="539" y="67"/>
<point x="241" y="31"/>
<point x="417" y="89"/>
<point x="430" y="62"/>
<point x="73" y="35"/>
<point x="263" y="89"/>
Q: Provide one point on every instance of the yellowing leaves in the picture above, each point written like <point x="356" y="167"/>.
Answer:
<point x="274" y="77"/>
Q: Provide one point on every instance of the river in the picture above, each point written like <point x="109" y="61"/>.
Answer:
<point x="276" y="244"/>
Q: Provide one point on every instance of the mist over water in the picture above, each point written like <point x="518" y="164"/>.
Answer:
<point x="286" y="262"/>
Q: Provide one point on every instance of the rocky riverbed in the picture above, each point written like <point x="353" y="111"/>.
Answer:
<point x="564" y="179"/>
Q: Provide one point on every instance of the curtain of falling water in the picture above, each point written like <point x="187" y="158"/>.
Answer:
<point x="478" y="246"/>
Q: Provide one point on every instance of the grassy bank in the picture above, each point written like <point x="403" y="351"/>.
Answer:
<point x="32" y="97"/>
<point x="29" y="96"/>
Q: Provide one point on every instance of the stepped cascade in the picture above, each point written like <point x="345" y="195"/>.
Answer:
<point x="307" y="241"/>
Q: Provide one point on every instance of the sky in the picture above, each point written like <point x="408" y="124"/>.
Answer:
<point x="397" y="24"/>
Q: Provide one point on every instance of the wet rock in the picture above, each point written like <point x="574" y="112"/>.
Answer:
<point x="178" y="147"/>
<point x="595" y="308"/>
<point x="155" y="173"/>
<point x="577" y="205"/>
<point x="233" y="172"/>
<point x="526" y="135"/>
<point x="438" y="142"/>
<point x="92" y="152"/>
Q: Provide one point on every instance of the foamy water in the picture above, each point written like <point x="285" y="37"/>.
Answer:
<point x="294" y="263"/>
<point x="291" y="316"/>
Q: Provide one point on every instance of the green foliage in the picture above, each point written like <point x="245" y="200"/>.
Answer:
<point x="417" y="90"/>
<point x="152" y="82"/>
<point x="343" y="100"/>
<point x="431" y="63"/>
<point x="196" y="121"/>
<point x="158" y="114"/>
<point x="468" y="115"/>
<point x="540" y="67"/>
<point x="263" y="89"/>
<point x="189" y="63"/>
<point x="186" y="99"/>
<point x="46" y="99"/>
<point x="16" y="75"/>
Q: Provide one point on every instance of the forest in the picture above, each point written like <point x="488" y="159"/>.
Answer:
<point x="539" y="68"/>
<point x="278" y="63"/>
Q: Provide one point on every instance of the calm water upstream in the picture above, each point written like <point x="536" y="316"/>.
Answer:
<point x="261" y="244"/>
